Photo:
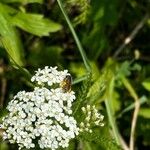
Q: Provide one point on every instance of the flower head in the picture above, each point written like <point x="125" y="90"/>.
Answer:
<point x="93" y="118"/>
<point x="43" y="114"/>
<point x="49" y="75"/>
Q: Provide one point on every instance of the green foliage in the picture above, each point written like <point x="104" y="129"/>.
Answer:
<point x="103" y="14"/>
<point x="144" y="112"/>
<point x="142" y="100"/>
<point x="22" y="1"/>
<point x="10" y="37"/>
<point x="146" y="84"/>
<point x="143" y="126"/>
<point x="83" y="7"/>
<point x="35" y="24"/>
<point x="31" y="40"/>
<point x="99" y="139"/>
<point x="82" y="97"/>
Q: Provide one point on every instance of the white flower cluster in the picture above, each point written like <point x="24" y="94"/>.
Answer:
<point x="49" y="75"/>
<point x="93" y="118"/>
<point x="43" y="115"/>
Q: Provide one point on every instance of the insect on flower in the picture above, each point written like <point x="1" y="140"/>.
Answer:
<point x="1" y="131"/>
<point x="66" y="83"/>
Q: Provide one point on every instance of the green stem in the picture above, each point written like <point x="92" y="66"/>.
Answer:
<point x="80" y="79"/>
<point x="108" y="103"/>
<point x="85" y="60"/>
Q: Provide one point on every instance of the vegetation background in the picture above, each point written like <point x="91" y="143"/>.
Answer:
<point x="111" y="71"/>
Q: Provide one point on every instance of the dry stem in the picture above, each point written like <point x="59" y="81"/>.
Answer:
<point x="131" y="35"/>
<point x="133" y="125"/>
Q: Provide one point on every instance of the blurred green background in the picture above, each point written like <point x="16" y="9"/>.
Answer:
<point x="116" y="38"/>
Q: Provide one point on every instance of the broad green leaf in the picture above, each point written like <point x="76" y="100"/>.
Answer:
<point x="35" y="24"/>
<point x="9" y="37"/>
<point x="146" y="84"/>
<point x="8" y="9"/>
<point x="23" y="1"/>
<point x="145" y="112"/>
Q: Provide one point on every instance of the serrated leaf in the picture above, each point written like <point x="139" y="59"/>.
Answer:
<point x="23" y="1"/>
<point x="124" y="69"/>
<point x="146" y="84"/>
<point x="35" y="24"/>
<point x="101" y="138"/>
<point x="97" y="88"/>
<point x="10" y="38"/>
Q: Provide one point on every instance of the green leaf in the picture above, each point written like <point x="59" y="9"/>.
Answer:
<point x="10" y="37"/>
<point x="97" y="88"/>
<point x="145" y="112"/>
<point x="100" y="138"/>
<point x="8" y="9"/>
<point x="99" y="20"/>
<point x="146" y="84"/>
<point x="96" y="92"/>
<point x="23" y="1"/>
<point x="78" y="69"/>
<point x="87" y="146"/>
<point x="35" y="24"/>
<point x="109" y="107"/>
<point x="124" y="69"/>
<point x="129" y="87"/>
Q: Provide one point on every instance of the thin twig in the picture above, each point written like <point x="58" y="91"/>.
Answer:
<point x="135" y="113"/>
<point x="133" y="125"/>
<point x="131" y="35"/>
<point x="142" y="100"/>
